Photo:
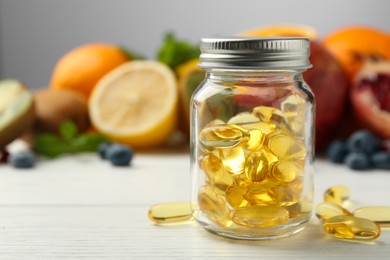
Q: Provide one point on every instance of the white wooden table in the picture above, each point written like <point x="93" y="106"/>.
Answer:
<point x="80" y="207"/>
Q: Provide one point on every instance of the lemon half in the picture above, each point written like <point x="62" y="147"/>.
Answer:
<point x="136" y="104"/>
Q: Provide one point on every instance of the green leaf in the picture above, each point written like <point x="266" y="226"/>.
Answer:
<point x="87" y="142"/>
<point x="174" y="52"/>
<point x="50" y="145"/>
<point x="68" y="131"/>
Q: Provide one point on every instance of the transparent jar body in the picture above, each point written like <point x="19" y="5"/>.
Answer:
<point x="252" y="153"/>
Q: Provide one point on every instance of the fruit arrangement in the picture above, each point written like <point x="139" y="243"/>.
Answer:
<point x="107" y="91"/>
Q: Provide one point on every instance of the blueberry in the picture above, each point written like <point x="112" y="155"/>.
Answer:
<point x="337" y="151"/>
<point x="102" y="149"/>
<point x="381" y="160"/>
<point x="363" y="142"/>
<point x="358" y="161"/>
<point x="119" y="155"/>
<point x="25" y="159"/>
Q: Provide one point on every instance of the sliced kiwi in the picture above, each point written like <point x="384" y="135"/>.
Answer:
<point x="16" y="110"/>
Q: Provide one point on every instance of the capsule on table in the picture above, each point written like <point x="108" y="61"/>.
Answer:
<point x="327" y="210"/>
<point x="349" y="227"/>
<point x="260" y="216"/>
<point x="337" y="194"/>
<point x="378" y="214"/>
<point x="169" y="213"/>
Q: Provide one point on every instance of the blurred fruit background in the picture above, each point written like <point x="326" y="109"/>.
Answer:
<point x="126" y="70"/>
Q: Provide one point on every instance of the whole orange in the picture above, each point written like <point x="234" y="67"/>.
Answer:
<point x="80" y="69"/>
<point x="351" y="46"/>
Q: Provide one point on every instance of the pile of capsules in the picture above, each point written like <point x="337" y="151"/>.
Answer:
<point x="362" y="224"/>
<point x="254" y="167"/>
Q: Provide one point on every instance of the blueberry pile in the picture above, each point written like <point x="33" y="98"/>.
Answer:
<point x="361" y="151"/>
<point x="117" y="154"/>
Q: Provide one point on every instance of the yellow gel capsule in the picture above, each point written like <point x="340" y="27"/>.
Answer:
<point x="214" y="206"/>
<point x="260" y="216"/>
<point x="293" y="108"/>
<point x="243" y="118"/>
<point x="327" y="210"/>
<point x="233" y="159"/>
<point x="287" y="147"/>
<point x="378" y="214"/>
<point x="264" y="127"/>
<point x="271" y="115"/>
<point x="337" y="194"/>
<point x="256" y="167"/>
<point x="235" y="196"/>
<point x="258" y="194"/>
<point x="223" y="136"/>
<point x="284" y="196"/>
<point x="256" y="140"/>
<point x="169" y="213"/>
<point x="349" y="227"/>
<point x="223" y="181"/>
<point x="211" y="165"/>
<point x="285" y="171"/>
<point x="215" y="173"/>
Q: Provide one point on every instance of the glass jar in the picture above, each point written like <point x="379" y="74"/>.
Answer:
<point x="252" y="130"/>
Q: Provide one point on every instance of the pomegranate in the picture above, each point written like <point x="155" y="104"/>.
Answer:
<point x="330" y="85"/>
<point x="370" y="97"/>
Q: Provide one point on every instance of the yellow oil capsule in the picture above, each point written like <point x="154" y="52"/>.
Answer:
<point x="287" y="147"/>
<point x="337" y="194"/>
<point x="235" y="196"/>
<point x="265" y="128"/>
<point x="327" y="210"/>
<point x="233" y="159"/>
<point x="271" y="158"/>
<point x="260" y="216"/>
<point x="271" y="115"/>
<point x="214" y="206"/>
<point x="242" y="180"/>
<point x="215" y="173"/>
<point x="284" y="195"/>
<point x="285" y="171"/>
<point x="256" y="140"/>
<point x="256" y="167"/>
<point x="223" y="136"/>
<point x="258" y="194"/>
<point x="243" y="118"/>
<point x="349" y="227"/>
<point x="293" y="108"/>
<point x="169" y="213"/>
<point x="223" y="181"/>
<point x="300" y="208"/>
<point x="211" y="166"/>
<point x="378" y="214"/>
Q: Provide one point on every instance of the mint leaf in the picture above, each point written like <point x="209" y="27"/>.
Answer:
<point x="68" y="141"/>
<point x="50" y="145"/>
<point x="68" y="131"/>
<point x="175" y="52"/>
<point x="87" y="142"/>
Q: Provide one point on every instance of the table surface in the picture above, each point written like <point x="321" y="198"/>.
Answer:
<point x="82" y="207"/>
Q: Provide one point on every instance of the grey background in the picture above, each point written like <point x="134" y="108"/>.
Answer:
<point x="34" y="34"/>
